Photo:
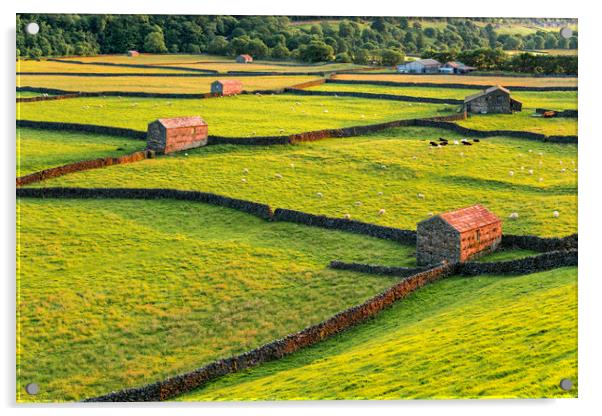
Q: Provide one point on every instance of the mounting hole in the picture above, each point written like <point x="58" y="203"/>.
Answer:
<point x="32" y="28"/>
<point x="566" y="384"/>
<point x="32" y="388"/>
<point x="566" y="32"/>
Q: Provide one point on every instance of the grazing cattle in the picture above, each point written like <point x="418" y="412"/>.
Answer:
<point x="434" y="144"/>
<point x="476" y="140"/>
<point x="443" y="144"/>
<point x="467" y="143"/>
<point x="441" y="139"/>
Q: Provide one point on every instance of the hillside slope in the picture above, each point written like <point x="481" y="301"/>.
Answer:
<point x="487" y="336"/>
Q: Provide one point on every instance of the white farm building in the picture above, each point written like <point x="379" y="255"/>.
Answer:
<point x="421" y="66"/>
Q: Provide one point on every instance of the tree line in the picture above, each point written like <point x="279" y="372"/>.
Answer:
<point x="376" y="40"/>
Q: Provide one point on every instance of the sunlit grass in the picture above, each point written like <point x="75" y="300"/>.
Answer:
<point x="475" y="337"/>
<point x="241" y="116"/>
<point x="387" y="170"/>
<point x="53" y="66"/>
<point x="115" y="294"/>
<point x="41" y="149"/>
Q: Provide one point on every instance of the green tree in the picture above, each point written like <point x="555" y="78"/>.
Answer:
<point x="316" y="51"/>
<point x="391" y="57"/>
<point x="155" y="43"/>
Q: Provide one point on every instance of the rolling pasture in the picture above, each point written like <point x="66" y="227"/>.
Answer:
<point x="465" y="79"/>
<point x="445" y="341"/>
<point x="25" y="66"/>
<point x="240" y="116"/>
<point x="174" y="285"/>
<point x="185" y="84"/>
<point x="121" y="293"/>
<point x="361" y="175"/>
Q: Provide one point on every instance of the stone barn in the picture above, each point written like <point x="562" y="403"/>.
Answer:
<point x="457" y="236"/>
<point x="133" y="53"/>
<point x="492" y="100"/>
<point x="244" y="59"/>
<point x="167" y="135"/>
<point x="226" y="87"/>
<point x="421" y="66"/>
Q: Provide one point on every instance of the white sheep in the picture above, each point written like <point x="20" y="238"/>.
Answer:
<point x="362" y="116"/>
<point x="456" y="142"/>
<point x="522" y="168"/>
<point x="574" y="170"/>
<point x="530" y="171"/>
<point x="357" y="203"/>
<point x="430" y="214"/>
<point x="185" y="154"/>
<point x="414" y="157"/>
<point x="278" y="176"/>
<point x="319" y="194"/>
<point x="420" y="196"/>
<point x="380" y="193"/>
<point x="511" y="173"/>
<point x="383" y="166"/>
<point x="540" y="179"/>
<point x="513" y="216"/>
<point x="293" y="165"/>
<point x="325" y="110"/>
<point x="560" y="162"/>
<point x="556" y="214"/>
<point x="245" y="171"/>
<point x="381" y="211"/>
<point x="461" y="154"/>
<point x="347" y="216"/>
<point x="244" y="180"/>
<point x="563" y="170"/>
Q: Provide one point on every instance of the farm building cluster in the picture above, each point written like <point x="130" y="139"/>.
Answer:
<point x="457" y="236"/>
<point x="432" y="66"/>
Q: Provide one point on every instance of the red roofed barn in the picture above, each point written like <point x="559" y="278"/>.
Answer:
<point x="457" y="236"/>
<point x="226" y="87"/>
<point x="168" y="135"/>
<point x="244" y="59"/>
<point x="133" y="53"/>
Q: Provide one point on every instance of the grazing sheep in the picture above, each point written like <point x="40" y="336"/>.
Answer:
<point x="420" y="196"/>
<point x="278" y="176"/>
<point x="560" y="161"/>
<point x="357" y="203"/>
<point x="414" y="157"/>
<point x="530" y="151"/>
<point x="513" y="216"/>
<point x="522" y="168"/>
<point x="325" y="110"/>
<point x="293" y="165"/>
<point x="381" y="211"/>
<point x="461" y="154"/>
<point x="297" y="102"/>
<point x="540" y="153"/>
<point x="530" y="171"/>
<point x="380" y="193"/>
<point x="540" y="179"/>
<point x="456" y="142"/>
<point x="563" y="170"/>
<point x="245" y="171"/>
<point x="319" y="194"/>
<point x="430" y="214"/>
<point x="244" y="180"/>
<point x="383" y="166"/>
<point x="185" y="154"/>
<point x="556" y="214"/>
<point x="574" y="170"/>
<point x="511" y="173"/>
<point x="362" y="116"/>
<point x="347" y="216"/>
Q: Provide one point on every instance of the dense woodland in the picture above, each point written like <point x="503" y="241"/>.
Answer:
<point x="363" y="40"/>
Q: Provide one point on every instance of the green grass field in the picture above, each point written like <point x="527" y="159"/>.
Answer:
<point x="558" y="100"/>
<point x="52" y="66"/>
<point x="115" y="294"/>
<point x="465" y="79"/>
<point x="190" y="85"/>
<point x="463" y="337"/>
<point x="524" y="121"/>
<point x="28" y="94"/>
<point x="40" y="149"/>
<point x="240" y="116"/>
<point x="399" y="163"/>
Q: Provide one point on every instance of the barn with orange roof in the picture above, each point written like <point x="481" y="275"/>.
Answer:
<point x="457" y="236"/>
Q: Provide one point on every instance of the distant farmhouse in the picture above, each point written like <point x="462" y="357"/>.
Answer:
<point x="226" y="87"/>
<point x="421" y="66"/>
<point x="492" y="100"/>
<point x="133" y="53"/>
<point x="167" y="135"/>
<point x="244" y="59"/>
<point x="455" y="67"/>
<point x="457" y="236"/>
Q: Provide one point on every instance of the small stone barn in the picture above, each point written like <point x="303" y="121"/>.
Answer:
<point x="457" y="236"/>
<point x="133" y="53"/>
<point x="226" y="87"/>
<point x="244" y="59"/>
<point x="492" y="100"/>
<point x="167" y="135"/>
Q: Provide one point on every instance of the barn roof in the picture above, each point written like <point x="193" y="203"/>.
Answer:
<point x="428" y="62"/>
<point x="246" y="56"/>
<point x="485" y="92"/>
<point x="466" y="219"/>
<point x="234" y="82"/>
<point x="170" y="123"/>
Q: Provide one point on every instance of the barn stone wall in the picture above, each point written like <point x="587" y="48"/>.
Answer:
<point x="169" y="140"/>
<point x="495" y="102"/>
<point x="436" y="241"/>
<point x="475" y="243"/>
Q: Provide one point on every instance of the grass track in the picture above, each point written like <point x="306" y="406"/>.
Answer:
<point x="475" y="337"/>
